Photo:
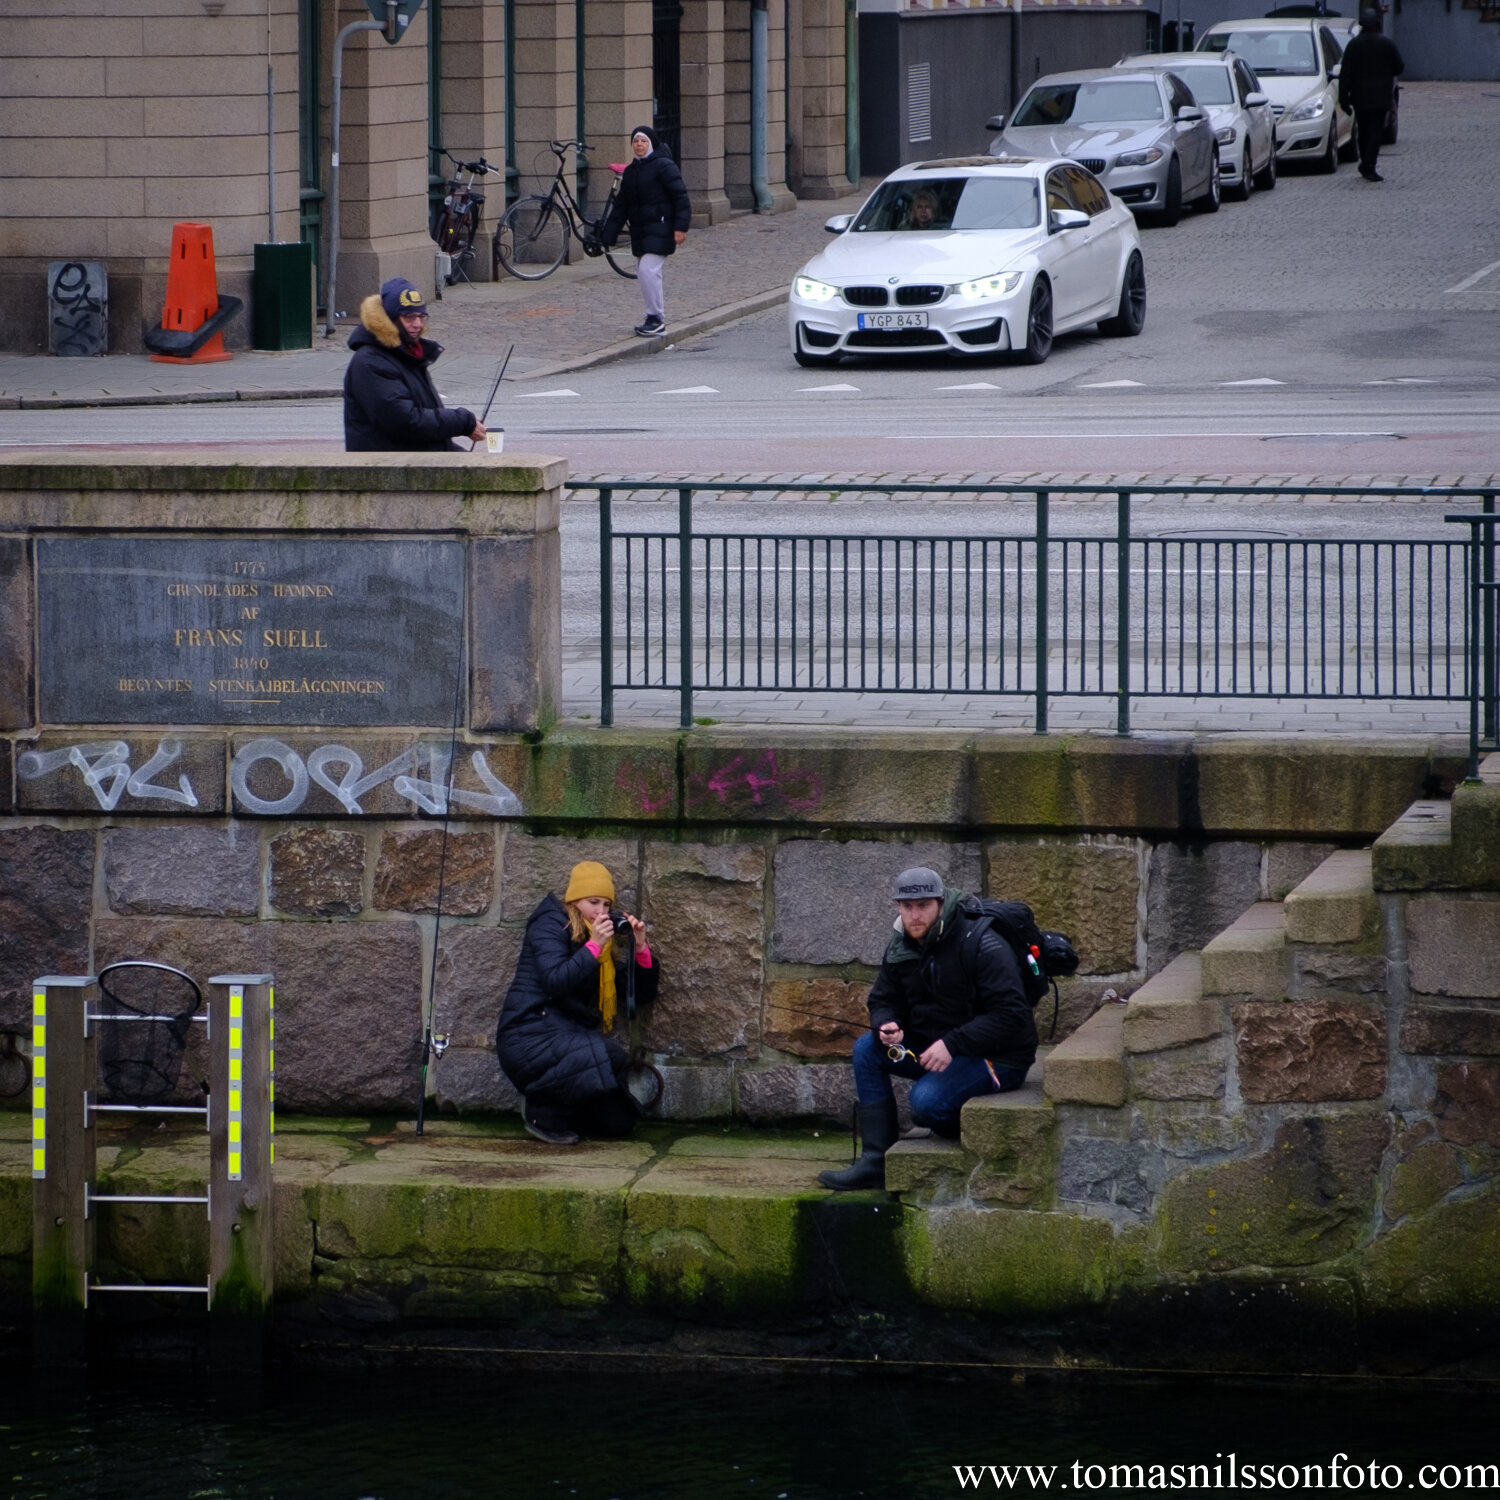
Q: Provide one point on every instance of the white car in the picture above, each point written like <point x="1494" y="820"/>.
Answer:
<point x="1238" y="108"/>
<point x="972" y="256"/>
<point x="1297" y="64"/>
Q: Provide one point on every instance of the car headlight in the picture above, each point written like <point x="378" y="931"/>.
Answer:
<point x="1227" y="136"/>
<point x="1139" y="158"/>
<point x="982" y="288"/>
<point x="1309" y="109"/>
<point x="814" y="291"/>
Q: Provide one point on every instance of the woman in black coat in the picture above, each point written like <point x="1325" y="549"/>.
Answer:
<point x="554" y="1034"/>
<point x="653" y="200"/>
<point x="390" y="403"/>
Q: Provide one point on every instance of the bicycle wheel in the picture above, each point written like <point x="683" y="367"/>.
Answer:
<point x="619" y="270"/>
<point x="532" y="238"/>
<point x="456" y="239"/>
<point x="617" y="266"/>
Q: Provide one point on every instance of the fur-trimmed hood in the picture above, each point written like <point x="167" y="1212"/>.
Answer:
<point x="379" y="328"/>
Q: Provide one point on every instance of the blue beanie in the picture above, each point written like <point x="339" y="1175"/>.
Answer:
<point x="399" y="296"/>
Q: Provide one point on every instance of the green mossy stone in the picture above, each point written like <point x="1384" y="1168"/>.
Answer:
<point x="1444" y="1260"/>
<point x="1424" y="1178"/>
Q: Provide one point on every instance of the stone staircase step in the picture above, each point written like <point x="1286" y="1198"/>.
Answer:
<point x="1169" y="1010"/>
<point x="1416" y="852"/>
<point x="1249" y="957"/>
<point x="1476" y="829"/>
<point x="1089" y="1067"/>
<point x="927" y="1169"/>
<point x="1336" y="903"/>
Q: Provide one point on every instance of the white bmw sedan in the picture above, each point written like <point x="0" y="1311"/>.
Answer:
<point x="973" y="256"/>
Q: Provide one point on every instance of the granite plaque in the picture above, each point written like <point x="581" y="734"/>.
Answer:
<point x="249" y="631"/>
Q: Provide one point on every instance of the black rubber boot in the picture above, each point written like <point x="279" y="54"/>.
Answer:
<point x="877" y="1134"/>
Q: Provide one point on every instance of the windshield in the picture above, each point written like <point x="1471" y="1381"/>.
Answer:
<point x="1209" y="85"/>
<point x="944" y="203"/>
<point x="1094" y="103"/>
<point x="1271" y="53"/>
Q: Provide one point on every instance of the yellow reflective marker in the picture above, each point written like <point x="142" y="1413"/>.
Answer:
<point x="236" y="1080"/>
<point x="271" y="1065"/>
<point x="39" y="1083"/>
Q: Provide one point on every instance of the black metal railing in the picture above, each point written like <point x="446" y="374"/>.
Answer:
<point x="1045" y="615"/>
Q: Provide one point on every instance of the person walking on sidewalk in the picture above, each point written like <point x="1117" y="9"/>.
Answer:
<point x="390" y="402"/>
<point x="1367" y="86"/>
<point x="653" y="200"/>
<point x="947" y="1009"/>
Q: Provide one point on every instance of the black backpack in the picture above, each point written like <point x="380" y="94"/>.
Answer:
<point x="1042" y="956"/>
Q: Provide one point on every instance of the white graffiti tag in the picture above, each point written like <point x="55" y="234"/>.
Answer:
<point x="107" y="774"/>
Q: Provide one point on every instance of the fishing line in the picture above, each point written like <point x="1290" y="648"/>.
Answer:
<point x="504" y="364"/>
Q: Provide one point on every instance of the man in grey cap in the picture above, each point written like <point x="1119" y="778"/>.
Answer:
<point x="947" y="1009"/>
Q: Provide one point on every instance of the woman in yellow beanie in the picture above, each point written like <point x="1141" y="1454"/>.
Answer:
<point x="554" y="1035"/>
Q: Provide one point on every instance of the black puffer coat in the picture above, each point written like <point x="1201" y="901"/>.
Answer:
<point x="548" y="1038"/>
<point x="653" y="200"/>
<point x="961" y="986"/>
<point x="390" y="403"/>
<point x="1369" y="70"/>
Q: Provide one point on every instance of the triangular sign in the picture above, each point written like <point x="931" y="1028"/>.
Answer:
<point x="406" y="11"/>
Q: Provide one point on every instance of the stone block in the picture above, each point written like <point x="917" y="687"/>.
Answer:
<point x="475" y="966"/>
<point x="706" y="906"/>
<point x="1451" y="1031"/>
<point x="532" y="866"/>
<point x="184" y="872"/>
<point x="1249" y="957"/>
<point x="348" y="998"/>
<point x="1089" y="1068"/>
<point x="17" y="665"/>
<point x="1091" y="1170"/>
<point x="1466" y="1104"/>
<point x="797" y="1091"/>
<point x="1289" y="864"/>
<point x="1318" y="974"/>
<point x="1454" y="945"/>
<point x="1416" y="852"/>
<point x="1425" y="1177"/>
<point x="340" y="773"/>
<point x="816" y="1017"/>
<point x="1195" y="1072"/>
<point x="833" y="900"/>
<point x="1169" y="1010"/>
<point x="1306" y="1200"/>
<point x="46" y="901"/>
<point x="318" y="872"/>
<point x="570" y="774"/>
<point x="413" y="867"/>
<point x="1336" y="903"/>
<point x="1088" y="891"/>
<point x="928" y="1171"/>
<point x="1014" y="1137"/>
<point x="1310" y="1050"/>
<point x="690" y="1093"/>
<point x="1193" y="892"/>
<point x="7" y="797"/>
<point x="1077" y="999"/>
<point x="168" y="775"/>
<point x="515" y="673"/>
<point x="1476" y="829"/>
<point x="468" y="1080"/>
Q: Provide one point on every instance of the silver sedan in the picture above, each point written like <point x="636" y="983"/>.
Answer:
<point x="1141" y="133"/>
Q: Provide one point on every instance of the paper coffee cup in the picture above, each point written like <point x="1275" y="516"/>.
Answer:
<point x="494" y="439"/>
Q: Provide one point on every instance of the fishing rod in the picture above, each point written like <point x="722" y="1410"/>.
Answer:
<point x="893" y="1050"/>
<point x="473" y="442"/>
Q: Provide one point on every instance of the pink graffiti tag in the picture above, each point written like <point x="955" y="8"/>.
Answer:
<point x="767" y="784"/>
<point x="653" y="792"/>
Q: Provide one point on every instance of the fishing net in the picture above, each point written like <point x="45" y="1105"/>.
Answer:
<point x="144" y="1022"/>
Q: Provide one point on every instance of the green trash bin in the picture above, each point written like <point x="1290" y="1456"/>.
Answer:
<point x="281" y="297"/>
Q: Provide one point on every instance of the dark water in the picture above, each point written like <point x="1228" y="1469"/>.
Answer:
<point x="525" y="1437"/>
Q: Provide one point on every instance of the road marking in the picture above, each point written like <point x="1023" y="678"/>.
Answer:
<point x="803" y="389"/>
<point x="923" y="437"/>
<point x="690" y="390"/>
<point x="1402" y="380"/>
<point x="1107" y="385"/>
<point x="1473" y="280"/>
<point x="1262" y="380"/>
<point x="542" y="395"/>
<point x="973" y="385"/>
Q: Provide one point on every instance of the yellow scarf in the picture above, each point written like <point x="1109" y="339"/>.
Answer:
<point x="607" y="987"/>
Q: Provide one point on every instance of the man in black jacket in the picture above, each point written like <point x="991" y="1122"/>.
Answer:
<point x="653" y="200"/>
<point x="947" y="1009"/>
<point x="390" y="402"/>
<point x="1367" y="86"/>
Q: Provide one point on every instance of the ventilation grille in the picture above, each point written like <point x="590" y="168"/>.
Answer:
<point x="919" y="102"/>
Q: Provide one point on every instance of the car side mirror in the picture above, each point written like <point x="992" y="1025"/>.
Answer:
<point x="1188" y="113"/>
<point x="1252" y="101"/>
<point x="1335" y="70"/>
<point x="995" y="122"/>
<point x="1066" y="218"/>
<point x="839" y="223"/>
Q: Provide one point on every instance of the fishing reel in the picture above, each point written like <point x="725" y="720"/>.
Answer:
<point x="439" y="1043"/>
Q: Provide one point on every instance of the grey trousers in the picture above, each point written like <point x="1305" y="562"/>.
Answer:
<point x="648" y="270"/>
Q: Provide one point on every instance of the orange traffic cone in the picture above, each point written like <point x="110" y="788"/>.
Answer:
<point x="193" y="320"/>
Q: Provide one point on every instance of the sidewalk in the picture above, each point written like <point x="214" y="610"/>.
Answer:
<point x="581" y="315"/>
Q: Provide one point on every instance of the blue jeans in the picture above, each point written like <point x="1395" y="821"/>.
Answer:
<point x="936" y="1098"/>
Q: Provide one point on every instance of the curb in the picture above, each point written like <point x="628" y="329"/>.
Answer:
<point x="634" y="348"/>
<point x="164" y="398"/>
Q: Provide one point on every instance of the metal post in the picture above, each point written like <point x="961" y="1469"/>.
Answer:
<point x="580" y="100"/>
<point x="64" y="1064"/>
<point x="240" y="1243"/>
<point x="1487" y="611"/>
<point x="1041" y="612"/>
<point x="512" y="172"/>
<point x="1122" y="621"/>
<point x="606" y="609"/>
<point x="271" y="153"/>
<point x="851" y="91"/>
<point x="685" y="599"/>
<point x="333" y="185"/>
<point x="760" y="83"/>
